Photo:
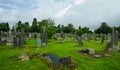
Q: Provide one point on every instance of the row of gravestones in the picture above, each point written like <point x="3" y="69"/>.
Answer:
<point x="18" y="38"/>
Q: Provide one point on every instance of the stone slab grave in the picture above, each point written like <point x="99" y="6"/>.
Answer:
<point x="59" y="63"/>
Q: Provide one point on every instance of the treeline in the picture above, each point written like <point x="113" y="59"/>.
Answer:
<point x="51" y="28"/>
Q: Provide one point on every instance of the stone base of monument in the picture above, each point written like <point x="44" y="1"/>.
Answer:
<point x="23" y="57"/>
<point x="60" y="42"/>
<point x="107" y="55"/>
<point x="9" y="44"/>
<point x="44" y="44"/>
<point x="97" y="55"/>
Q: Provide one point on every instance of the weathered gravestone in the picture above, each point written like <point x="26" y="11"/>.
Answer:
<point x="88" y="37"/>
<point x="108" y="37"/>
<point x="9" y="38"/>
<point x="17" y="40"/>
<point x="114" y="39"/>
<point x="108" y="45"/>
<point x="94" y="36"/>
<point x="55" y="37"/>
<point x="102" y="38"/>
<point x="44" y="37"/>
<point x="23" y="37"/>
<point x="79" y="41"/>
<point x="38" y="42"/>
<point x="35" y="35"/>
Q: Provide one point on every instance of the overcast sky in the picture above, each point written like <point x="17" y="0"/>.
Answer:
<point x="90" y="13"/>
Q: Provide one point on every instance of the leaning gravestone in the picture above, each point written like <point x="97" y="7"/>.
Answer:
<point x="109" y="45"/>
<point x="44" y="37"/>
<point x="55" y="37"/>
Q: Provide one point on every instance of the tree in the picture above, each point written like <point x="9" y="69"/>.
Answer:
<point x="26" y="27"/>
<point x="70" y="28"/>
<point x="85" y="30"/>
<point x="4" y="27"/>
<point x="104" y="28"/>
<point x="49" y="24"/>
<point x="79" y="31"/>
<point x="34" y="27"/>
<point x="19" y="26"/>
<point x="59" y="28"/>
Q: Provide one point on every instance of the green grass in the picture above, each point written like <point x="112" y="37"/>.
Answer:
<point x="68" y="48"/>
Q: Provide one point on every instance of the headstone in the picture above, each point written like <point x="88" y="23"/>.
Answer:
<point x="102" y="38"/>
<point x="109" y="44"/>
<point x="108" y="37"/>
<point x="114" y="38"/>
<point x="9" y="38"/>
<point x="94" y="36"/>
<point x="79" y="41"/>
<point x="44" y="37"/>
<point x="20" y="41"/>
<point x="35" y="35"/>
<point x="38" y="42"/>
<point x="15" y="41"/>
<point x="55" y="37"/>
<point x="23" y="37"/>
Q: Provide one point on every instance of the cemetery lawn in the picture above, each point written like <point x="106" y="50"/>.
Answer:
<point x="9" y="61"/>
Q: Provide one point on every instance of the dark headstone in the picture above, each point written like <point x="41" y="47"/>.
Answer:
<point x="115" y="38"/>
<point x="102" y="38"/>
<point x="79" y="41"/>
<point x="44" y="37"/>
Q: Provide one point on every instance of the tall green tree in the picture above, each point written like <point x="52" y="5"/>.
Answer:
<point x="26" y="27"/>
<point x="4" y="27"/>
<point x="19" y="26"/>
<point x="104" y="28"/>
<point x="79" y="31"/>
<point x="34" y="27"/>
